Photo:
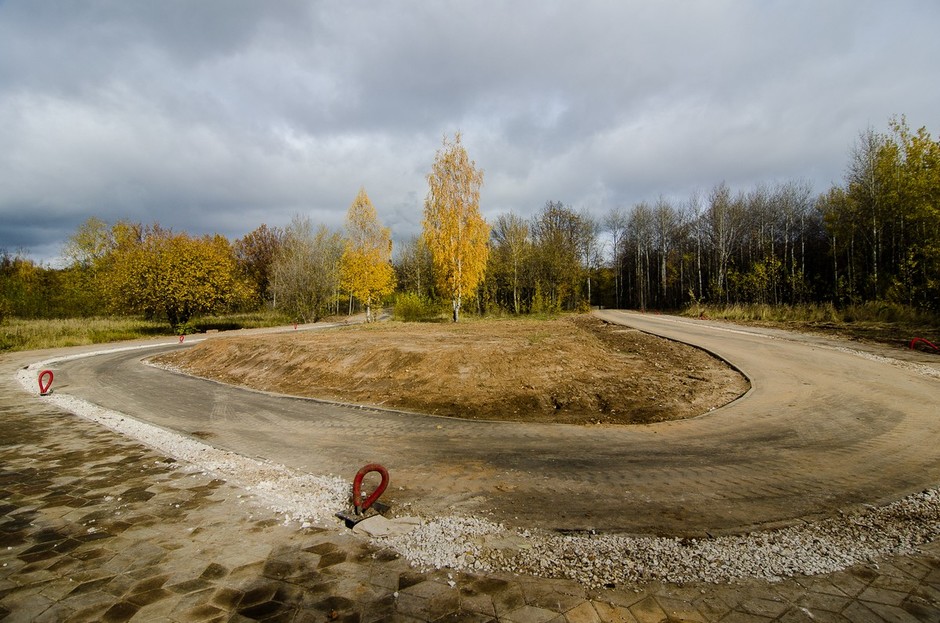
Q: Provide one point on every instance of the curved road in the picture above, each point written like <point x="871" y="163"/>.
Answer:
<point x="822" y="429"/>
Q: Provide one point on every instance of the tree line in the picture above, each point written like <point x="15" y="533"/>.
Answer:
<point x="874" y="236"/>
<point x="129" y="268"/>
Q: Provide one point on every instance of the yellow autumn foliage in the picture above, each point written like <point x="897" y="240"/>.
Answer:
<point x="366" y="270"/>
<point x="159" y="273"/>
<point x="454" y="231"/>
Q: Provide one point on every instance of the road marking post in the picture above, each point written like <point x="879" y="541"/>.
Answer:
<point x="45" y="382"/>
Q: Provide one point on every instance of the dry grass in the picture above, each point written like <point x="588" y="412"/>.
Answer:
<point x="573" y="370"/>
<point x="18" y="334"/>
<point x="887" y="323"/>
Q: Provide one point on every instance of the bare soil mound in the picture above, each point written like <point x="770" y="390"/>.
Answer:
<point x="575" y="370"/>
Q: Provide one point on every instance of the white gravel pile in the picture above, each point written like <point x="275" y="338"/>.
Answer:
<point x="807" y="549"/>
<point x="464" y="543"/>
<point x="608" y="560"/>
<point x="446" y="542"/>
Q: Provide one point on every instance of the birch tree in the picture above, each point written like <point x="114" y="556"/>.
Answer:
<point x="866" y="187"/>
<point x="664" y="217"/>
<point x="366" y="270"/>
<point x="724" y="223"/>
<point x="615" y="221"/>
<point x="454" y="230"/>
<point x="640" y="226"/>
<point x="512" y="246"/>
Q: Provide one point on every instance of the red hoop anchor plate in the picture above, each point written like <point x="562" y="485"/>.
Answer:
<point x="45" y="382"/>
<point x="362" y="506"/>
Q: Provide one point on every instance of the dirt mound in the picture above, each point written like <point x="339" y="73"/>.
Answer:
<point x="572" y="370"/>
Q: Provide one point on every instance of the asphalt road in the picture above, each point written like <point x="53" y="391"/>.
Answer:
<point x="822" y="429"/>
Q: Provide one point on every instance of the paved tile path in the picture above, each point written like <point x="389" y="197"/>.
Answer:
<point x="94" y="527"/>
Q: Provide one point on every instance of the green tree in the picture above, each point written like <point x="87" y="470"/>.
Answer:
<point x="559" y="237"/>
<point x="366" y="269"/>
<point x="414" y="268"/>
<point x="306" y="270"/>
<point x="725" y="218"/>
<point x="910" y="163"/>
<point x="866" y="187"/>
<point x="454" y="230"/>
<point x="882" y="222"/>
<point x="87" y="251"/>
<point x="512" y="249"/>
<point x="19" y="286"/>
<point x="90" y="243"/>
<point x="255" y="254"/>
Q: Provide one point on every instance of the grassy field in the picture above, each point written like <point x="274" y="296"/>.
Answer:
<point x="879" y="322"/>
<point x="17" y="334"/>
<point x="886" y="323"/>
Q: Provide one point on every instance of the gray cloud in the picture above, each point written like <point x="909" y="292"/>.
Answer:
<point x="219" y="116"/>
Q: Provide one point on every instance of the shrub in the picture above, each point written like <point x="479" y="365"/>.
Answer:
<point x="411" y="307"/>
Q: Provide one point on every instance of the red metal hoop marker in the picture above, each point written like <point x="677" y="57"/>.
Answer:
<point x="927" y="343"/>
<point x="357" y="487"/>
<point x="45" y="385"/>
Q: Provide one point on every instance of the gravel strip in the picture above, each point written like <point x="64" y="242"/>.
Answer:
<point x="608" y="560"/>
<point x="916" y="368"/>
<point x="473" y="544"/>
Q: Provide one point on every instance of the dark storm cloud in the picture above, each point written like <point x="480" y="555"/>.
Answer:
<point x="218" y="116"/>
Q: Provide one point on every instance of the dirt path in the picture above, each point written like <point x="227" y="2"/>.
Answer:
<point x="578" y="370"/>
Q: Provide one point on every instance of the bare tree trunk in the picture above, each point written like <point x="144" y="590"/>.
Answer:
<point x="835" y="266"/>
<point x="698" y="262"/>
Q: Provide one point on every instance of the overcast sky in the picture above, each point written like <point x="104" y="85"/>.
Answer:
<point x="218" y="116"/>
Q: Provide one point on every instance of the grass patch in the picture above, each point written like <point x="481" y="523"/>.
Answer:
<point x="18" y="334"/>
<point x="766" y="313"/>
<point x="248" y="320"/>
<point x="876" y="321"/>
